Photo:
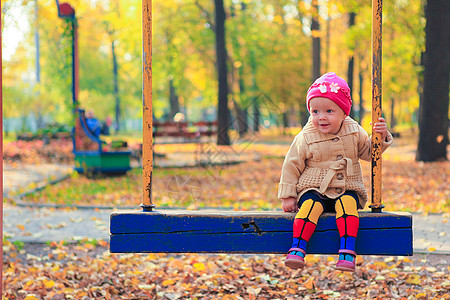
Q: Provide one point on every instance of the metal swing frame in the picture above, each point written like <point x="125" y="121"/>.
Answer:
<point x="170" y="231"/>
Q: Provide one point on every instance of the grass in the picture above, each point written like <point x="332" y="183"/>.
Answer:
<point x="407" y="185"/>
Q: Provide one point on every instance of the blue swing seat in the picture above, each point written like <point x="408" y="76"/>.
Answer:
<point x="204" y="231"/>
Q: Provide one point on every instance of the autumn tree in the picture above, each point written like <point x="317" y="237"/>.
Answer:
<point x="237" y="65"/>
<point x="176" y="37"/>
<point x="269" y="46"/>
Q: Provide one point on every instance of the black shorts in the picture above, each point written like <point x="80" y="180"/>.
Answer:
<point x="327" y="203"/>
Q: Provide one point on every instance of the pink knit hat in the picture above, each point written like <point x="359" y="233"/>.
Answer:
<point x="332" y="87"/>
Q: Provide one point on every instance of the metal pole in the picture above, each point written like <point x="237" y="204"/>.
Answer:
<point x="147" y="142"/>
<point x="1" y="144"/>
<point x="376" y="103"/>
<point x="75" y="63"/>
<point x="66" y="11"/>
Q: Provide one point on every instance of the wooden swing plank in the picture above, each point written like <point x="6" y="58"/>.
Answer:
<point x="174" y="231"/>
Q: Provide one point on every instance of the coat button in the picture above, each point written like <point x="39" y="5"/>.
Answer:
<point x="339" y="157"/>
<point x="335" y="139"/>
<point x="340" y="176"/>
<point x="339" y="190"/>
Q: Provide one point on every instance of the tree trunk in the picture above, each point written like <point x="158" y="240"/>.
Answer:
<point x="285" y="119"/>
<point x="255" y="103"/>
<point x="241" y="115"/>
<point x="256" y="115"/>
<point x="304" y="115"/>
<point x="221" y="55"/>
<point x="242" y="119"/>
<point x="393" y="121"/>
<point x="40" y="119"/>
<point x="433" y="111"/>
<point x="241" y="122"/>
<point x="351" y="22"/>
<point x="361" y="100"/>
<point x="173" y="100"/>
<point x="116" y="87"/>
<point x="315" y="40"/>
<point x="327" y="44"/>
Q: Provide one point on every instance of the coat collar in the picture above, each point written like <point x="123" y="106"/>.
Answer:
<point x="312" y="135"/>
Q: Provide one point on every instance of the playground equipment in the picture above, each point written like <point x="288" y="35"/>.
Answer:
<point x="90" y="155"/>
<point x="380" y="233"/>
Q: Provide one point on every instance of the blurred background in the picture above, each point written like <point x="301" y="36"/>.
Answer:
<point x="274" y="50"/>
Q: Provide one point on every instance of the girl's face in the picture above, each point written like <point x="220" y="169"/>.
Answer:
<point x="327" y="116"/>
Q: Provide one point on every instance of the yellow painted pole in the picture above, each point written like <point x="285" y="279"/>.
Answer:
<point x="376" y="103"/>
<point x="147" y="141"/>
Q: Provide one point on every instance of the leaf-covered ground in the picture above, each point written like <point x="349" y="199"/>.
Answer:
<point x="407" y="185"/>
<point x="38" y="151"/>
<point x="88" y="271"/>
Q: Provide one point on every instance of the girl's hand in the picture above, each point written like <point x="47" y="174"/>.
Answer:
<point x="289" y="204"/>
<point x="381" y="127"/>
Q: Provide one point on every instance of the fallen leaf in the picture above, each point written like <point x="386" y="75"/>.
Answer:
<point x="49" y="284"/>
<point x="309" y="284"/>
<point x="102" y="243"/>
<point x="168" y="282"/>
<point x="253" y="291"/>
<point x="413" y="279"/>
<point x="146" y="286"/>
<point x="199" y="266"/>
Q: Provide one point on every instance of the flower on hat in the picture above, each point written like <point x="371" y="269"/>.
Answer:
<point x="334" y="87"/>
<point x="323" y="88"/>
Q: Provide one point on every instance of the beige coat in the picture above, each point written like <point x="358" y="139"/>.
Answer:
<point x="327" y="163"/>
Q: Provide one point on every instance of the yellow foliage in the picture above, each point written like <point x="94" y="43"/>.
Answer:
<point x="413" y="279"/>
<point x="199" y="266"/>
<point x="168" y="282"/>
<point x="27" y="284"/>
<point x="49" y="284"/>
<point x="278" y="19"/>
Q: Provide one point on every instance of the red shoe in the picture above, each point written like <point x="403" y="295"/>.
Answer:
<point x="295" y="261"/>
<point x="346" y="265"/>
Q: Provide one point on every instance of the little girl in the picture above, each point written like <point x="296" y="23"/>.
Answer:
<point x="321" y="171"/>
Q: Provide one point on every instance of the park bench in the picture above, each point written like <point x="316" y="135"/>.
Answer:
<point x="168" y="132"/>
<point x="184" y="132"/>
<point x="199" y="133"/>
